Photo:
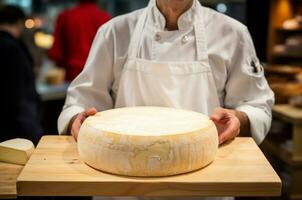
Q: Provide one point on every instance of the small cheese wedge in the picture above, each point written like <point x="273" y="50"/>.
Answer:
<point x="148" y="141"/>
<point x="16" y="151"/>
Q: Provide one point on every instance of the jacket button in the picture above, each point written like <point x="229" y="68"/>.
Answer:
<point x="185" y="39"/>
<point x="157" y="37"/>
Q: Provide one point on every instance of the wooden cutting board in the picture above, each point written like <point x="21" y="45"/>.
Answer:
<point x="8" y="179"/>
<point x="55" y="169"/>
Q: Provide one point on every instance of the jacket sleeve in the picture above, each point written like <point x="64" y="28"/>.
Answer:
<point x="247" y="89"/>
<point x="93" y="85"/>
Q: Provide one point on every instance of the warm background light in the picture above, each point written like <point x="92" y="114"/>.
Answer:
<point x="43" y="40"/>
<point x="29" y="23"/>
<point x="284" y="11"/>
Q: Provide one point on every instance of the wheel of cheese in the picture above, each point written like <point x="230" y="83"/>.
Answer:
<point x="147" y="141"/>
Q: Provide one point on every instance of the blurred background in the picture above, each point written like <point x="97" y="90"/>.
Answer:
<point x="276" y="29"/>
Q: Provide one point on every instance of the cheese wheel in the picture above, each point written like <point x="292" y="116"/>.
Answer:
<point x="16" y="151"/>
<point x="147" y="141"/>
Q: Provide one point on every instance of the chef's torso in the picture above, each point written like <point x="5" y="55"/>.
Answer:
<point x="228" y="55"/>
<point x="162" y="82"/>
<point x="180" y="46"/>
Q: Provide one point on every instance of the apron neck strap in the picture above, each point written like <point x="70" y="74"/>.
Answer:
<point x="138" y="31"/>
<point x="200" y="35"/>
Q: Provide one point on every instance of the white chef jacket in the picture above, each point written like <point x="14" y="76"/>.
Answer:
<point x="237" y="72"/>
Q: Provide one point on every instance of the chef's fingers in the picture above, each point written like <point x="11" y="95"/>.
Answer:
<point x="232" y="129"/>
<point x="75" y="127"/>
<point x="90" y="111"/>
<point x="78" y="121"/>
<point x="218" y="114"/>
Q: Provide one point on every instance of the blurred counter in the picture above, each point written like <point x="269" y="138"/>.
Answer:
<point x="52" y="92"/>
<point x="52" y="98"/>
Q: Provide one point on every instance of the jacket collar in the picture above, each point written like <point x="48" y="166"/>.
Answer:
<point x="185" y="21"/>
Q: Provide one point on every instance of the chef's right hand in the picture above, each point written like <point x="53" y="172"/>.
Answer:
<point x="77" y="121"/>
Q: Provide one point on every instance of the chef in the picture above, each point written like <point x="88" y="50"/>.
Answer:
<point x="174" y="53"/>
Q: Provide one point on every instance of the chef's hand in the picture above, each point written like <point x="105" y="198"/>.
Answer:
<point x="77" y="121"/>
<point x="229" y="123"/>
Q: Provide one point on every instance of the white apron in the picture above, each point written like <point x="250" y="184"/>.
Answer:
<point x="185" y="85"/>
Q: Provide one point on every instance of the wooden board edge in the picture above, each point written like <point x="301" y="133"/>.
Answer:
<point x="25" y="188"/>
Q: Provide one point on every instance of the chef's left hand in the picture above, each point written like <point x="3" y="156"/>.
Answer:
<point x="227" y="123"/>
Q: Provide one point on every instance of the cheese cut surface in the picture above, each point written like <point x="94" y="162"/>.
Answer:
<point x="16" y="151"/>
<point x="148" y="141"/>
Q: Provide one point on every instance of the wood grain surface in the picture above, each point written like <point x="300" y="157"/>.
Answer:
<point x="240" y="169"/>
<point x="8" y="179"/>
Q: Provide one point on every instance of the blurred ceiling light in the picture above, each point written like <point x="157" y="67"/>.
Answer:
<point x="221" y="7"/>
<point x="29" y="23"/>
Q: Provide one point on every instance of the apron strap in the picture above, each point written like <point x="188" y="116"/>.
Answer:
<point x="200" y="35"/>
<point x="138" y="31"/>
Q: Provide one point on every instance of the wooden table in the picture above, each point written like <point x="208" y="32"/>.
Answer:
<point x="55" y="169"/>
<point x="8" y="179"/>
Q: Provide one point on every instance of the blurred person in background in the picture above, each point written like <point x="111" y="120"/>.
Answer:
<point x="19" y="98"/>
<point x="36" y="53"/>
<point x="74" y="32"/>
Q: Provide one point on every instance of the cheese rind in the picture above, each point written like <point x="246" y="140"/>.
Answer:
<point x="16" y="151"/>
<point x="148" y="141"/>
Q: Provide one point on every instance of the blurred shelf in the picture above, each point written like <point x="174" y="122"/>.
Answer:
<point x="277" y="149"/>
<point x="286" y="144"/>
<point x="289" y="151"/>
<point x="283" y="69"/>
<point x="287" y="55"/>
<point x="280" y="12"/>
<point x="298" y="30"/>
<point x="288" y="113"/>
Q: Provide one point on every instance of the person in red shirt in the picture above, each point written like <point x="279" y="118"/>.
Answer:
<point x="74" y="32"/>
